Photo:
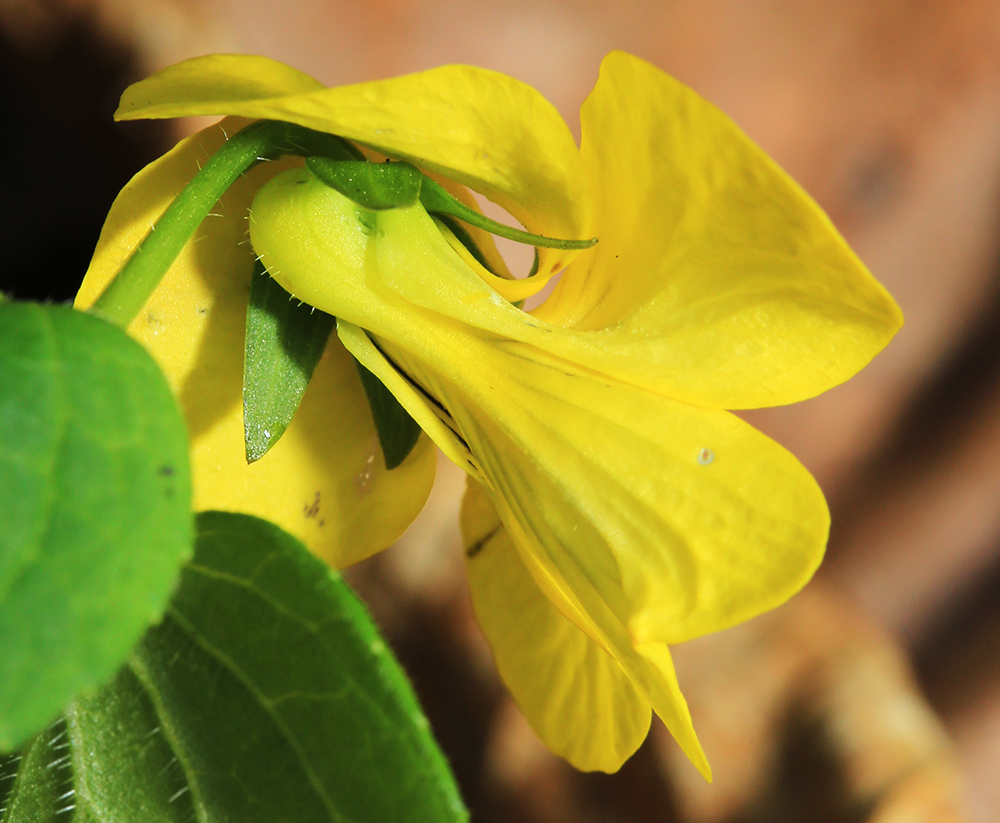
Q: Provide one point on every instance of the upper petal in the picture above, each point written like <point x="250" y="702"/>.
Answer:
<point x="325" y="480"/>
<point x="716" y="280"/>
<point x="488" y="131"/>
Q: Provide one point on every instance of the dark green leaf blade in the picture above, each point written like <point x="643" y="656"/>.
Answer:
<point x="95" y="502"/>
<point x="125" y="767"/>
<point x="397" y="431"/>
<point x="284" y="341"/>
<point x="265" y="695"/>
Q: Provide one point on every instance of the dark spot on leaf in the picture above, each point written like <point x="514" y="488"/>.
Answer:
<point x="166" y="471"/>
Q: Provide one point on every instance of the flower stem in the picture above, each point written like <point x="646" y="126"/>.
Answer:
<point x="126" y="294"/>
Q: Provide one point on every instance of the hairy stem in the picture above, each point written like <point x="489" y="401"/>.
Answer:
<point x="126" y="294"/>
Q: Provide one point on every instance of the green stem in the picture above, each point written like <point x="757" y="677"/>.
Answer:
<point x="126" y="294"/>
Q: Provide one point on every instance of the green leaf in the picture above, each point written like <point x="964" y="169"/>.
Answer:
<point x="397" y="431"/>
<point x="284" y="341"/>
<point x="266" y="695"/>
<point x="374" y="186"/>
<point x="95" y="506"/>
<point x="38" y="785"/>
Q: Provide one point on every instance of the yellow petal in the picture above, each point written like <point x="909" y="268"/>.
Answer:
<point x="647" y="663"/>
<point x="376" y="270"/>
<point x="653" y="671"/>
<point x="325" y="480"/>
<point x="481" y="128"/>
<point x="509" y="288"/>
<point x="208" y="80"/>
<point x="604" y="476"/>
<point x="611" y="483"/>
<point x="574" y="694"/>
<point x="359" y="344"/>
<point x="717" y="280"/>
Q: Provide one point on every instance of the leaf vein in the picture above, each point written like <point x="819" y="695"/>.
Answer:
<point x="241" y="676"/>
<point x="141" y="672"/>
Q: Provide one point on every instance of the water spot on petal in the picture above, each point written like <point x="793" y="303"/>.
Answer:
<point x="363" y="480"/>
<point x="705" y="457"/>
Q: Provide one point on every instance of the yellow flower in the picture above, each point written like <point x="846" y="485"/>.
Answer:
<point x="616" y="506"/>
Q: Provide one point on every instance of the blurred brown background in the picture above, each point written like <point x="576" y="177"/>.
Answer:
<point x="888" y="113"/>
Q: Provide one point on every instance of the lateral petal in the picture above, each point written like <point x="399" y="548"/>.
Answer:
<point x="614" y="488"/>
<point x="325" y="480"/>
<point x="716" y="280"/>
<point x="576" y="696"/>
<point x="492" y="133"/>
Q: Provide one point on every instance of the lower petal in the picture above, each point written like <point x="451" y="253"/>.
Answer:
<point x="576" y="697"/>
<point x="652" y="668"/>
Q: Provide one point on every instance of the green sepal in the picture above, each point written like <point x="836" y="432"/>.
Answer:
<point x="437" y="201"/>
<point x="95" y="506"/>
<point x="393" y="185"/>
<point x="397" y="431"/>
<point x="284" y="341"/>
<point x="266" y="694"/>
<point x="375" y="186"/>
